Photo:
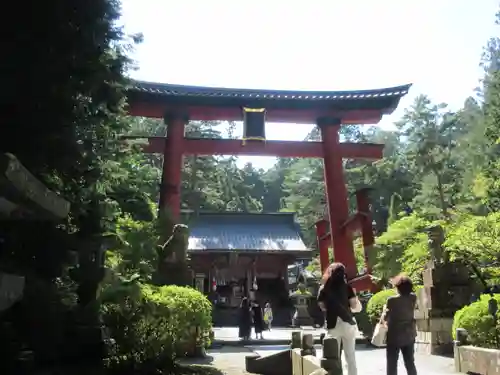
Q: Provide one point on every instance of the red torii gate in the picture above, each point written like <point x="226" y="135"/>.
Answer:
<point x="177" y="104"/>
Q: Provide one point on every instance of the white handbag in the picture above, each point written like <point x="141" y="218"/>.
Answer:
<point x="379" y="337"/>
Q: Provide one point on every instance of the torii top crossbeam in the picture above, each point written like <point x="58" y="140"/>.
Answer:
<point x="153" y="100"/>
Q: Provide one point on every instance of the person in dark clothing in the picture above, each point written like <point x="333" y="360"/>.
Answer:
<point x="245" y="319"/>
<point x="399" y="317"/>
<point x="338" y="300"/>
<point x="258" y="320"/>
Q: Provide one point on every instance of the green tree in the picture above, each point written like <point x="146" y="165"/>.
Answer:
<point x="491" y="107"/>
<point x="430" y="131"/>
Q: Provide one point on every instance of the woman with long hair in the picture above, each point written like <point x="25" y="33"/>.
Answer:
<point x="399" y="317"/>
<point x="258" y="320"/>
<point x="245" y="319"/>
<point x="338" y="300"/>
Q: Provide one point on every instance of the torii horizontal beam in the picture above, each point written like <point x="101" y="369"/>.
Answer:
<point x="204" y="146"/>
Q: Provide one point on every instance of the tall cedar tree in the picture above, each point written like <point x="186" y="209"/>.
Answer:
<point x="62" y="94"/>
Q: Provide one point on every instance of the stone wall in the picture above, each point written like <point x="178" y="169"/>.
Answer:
<point x="475" y="360"/>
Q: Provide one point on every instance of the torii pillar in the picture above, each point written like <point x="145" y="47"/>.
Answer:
<point x="336" y="195"/>
<point x="170" y="189"/>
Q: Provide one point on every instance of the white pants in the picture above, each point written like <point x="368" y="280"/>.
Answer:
<point x="346" y="334"/>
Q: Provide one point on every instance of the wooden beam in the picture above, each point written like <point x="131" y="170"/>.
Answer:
<point x="202" y="146"/>
<point x="138" y="108"/>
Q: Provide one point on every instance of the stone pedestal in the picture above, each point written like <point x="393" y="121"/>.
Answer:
<point x="446" y="289"/>
<point x="174" y="273"/>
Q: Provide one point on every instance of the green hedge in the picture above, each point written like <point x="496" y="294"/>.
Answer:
<point x="364" y="323"/>
<point x="476" y="319"/>
<point x="148" y="322"/>
<point x="376" y="304"/>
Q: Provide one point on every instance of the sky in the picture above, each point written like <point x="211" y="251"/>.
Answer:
<point x="314" y="45"/>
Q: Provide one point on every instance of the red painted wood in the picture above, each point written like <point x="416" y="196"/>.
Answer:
<point x="173" y="144"/>
<point x="364" y="283"/>
<point x="352" y="225"/>
<point x="294" y="116"/>
<point x="336" y="192"/>
<point x="268" y="148"/>
<point x="366" y="224"/>
<point x="324" y="242"/>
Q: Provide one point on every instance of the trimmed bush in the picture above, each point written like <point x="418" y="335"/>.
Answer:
<point x="376" y="304"/>
<point x="478" y="322"/>
<point x="155" y="323"/>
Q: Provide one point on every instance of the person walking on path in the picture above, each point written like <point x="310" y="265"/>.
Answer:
<point x="338" y="300"/>
<point x="245" y="320"/>
<point x="258" y="320"/>
<point x="398" y="316"/>
<point x="268" y="315"/>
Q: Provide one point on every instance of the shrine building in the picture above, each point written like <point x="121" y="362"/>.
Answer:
<point x="234" y="253"/>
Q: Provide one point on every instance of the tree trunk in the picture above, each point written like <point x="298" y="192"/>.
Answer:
<point x="442" y="201"/>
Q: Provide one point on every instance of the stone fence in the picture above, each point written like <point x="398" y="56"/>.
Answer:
<point x="300" y="359"/>
<point x="305" y="362"/>
<point x="473" y="359"/>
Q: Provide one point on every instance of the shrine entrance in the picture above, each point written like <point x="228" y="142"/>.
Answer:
<point x="329" y="110"/>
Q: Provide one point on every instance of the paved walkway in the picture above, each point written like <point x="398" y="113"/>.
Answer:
<point x="371" y="361"/>
<point x="231" y="360"/>
<point x="231" y="333"/>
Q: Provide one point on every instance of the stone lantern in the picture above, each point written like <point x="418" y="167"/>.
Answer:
<point x="300" y="299"/>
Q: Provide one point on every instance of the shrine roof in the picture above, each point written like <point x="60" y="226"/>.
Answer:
<point x="234" y="231"/>
<point x="383" y="98"/>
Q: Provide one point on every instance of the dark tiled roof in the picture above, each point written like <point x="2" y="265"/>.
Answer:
<point x="168" y="90"/>
<point x="245" y="232"/>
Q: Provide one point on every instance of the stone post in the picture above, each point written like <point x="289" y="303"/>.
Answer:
<point x="331" y="360"/>
<point x="308" y="345"/>
<point x="296" y="339"/>
<point x="461" y="336"/>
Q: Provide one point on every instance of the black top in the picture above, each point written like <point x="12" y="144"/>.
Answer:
<point x="336" y="299"/>
<point x="401" y="325"/>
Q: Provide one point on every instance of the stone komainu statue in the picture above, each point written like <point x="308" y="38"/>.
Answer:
<point x="174" y="250"/>
<point x="173" y="260"/>
<point x="436" y="242"/>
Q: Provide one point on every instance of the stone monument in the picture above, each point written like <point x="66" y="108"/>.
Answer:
<point x="446" y="289"/>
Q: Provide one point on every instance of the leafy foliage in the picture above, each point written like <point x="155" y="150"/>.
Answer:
<point x="149" y="322"/>
<point x="479" y="323"/>
<point x="376" y="304"/>
<point x="402" y="248"/>
<point x="476" y="239"/>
